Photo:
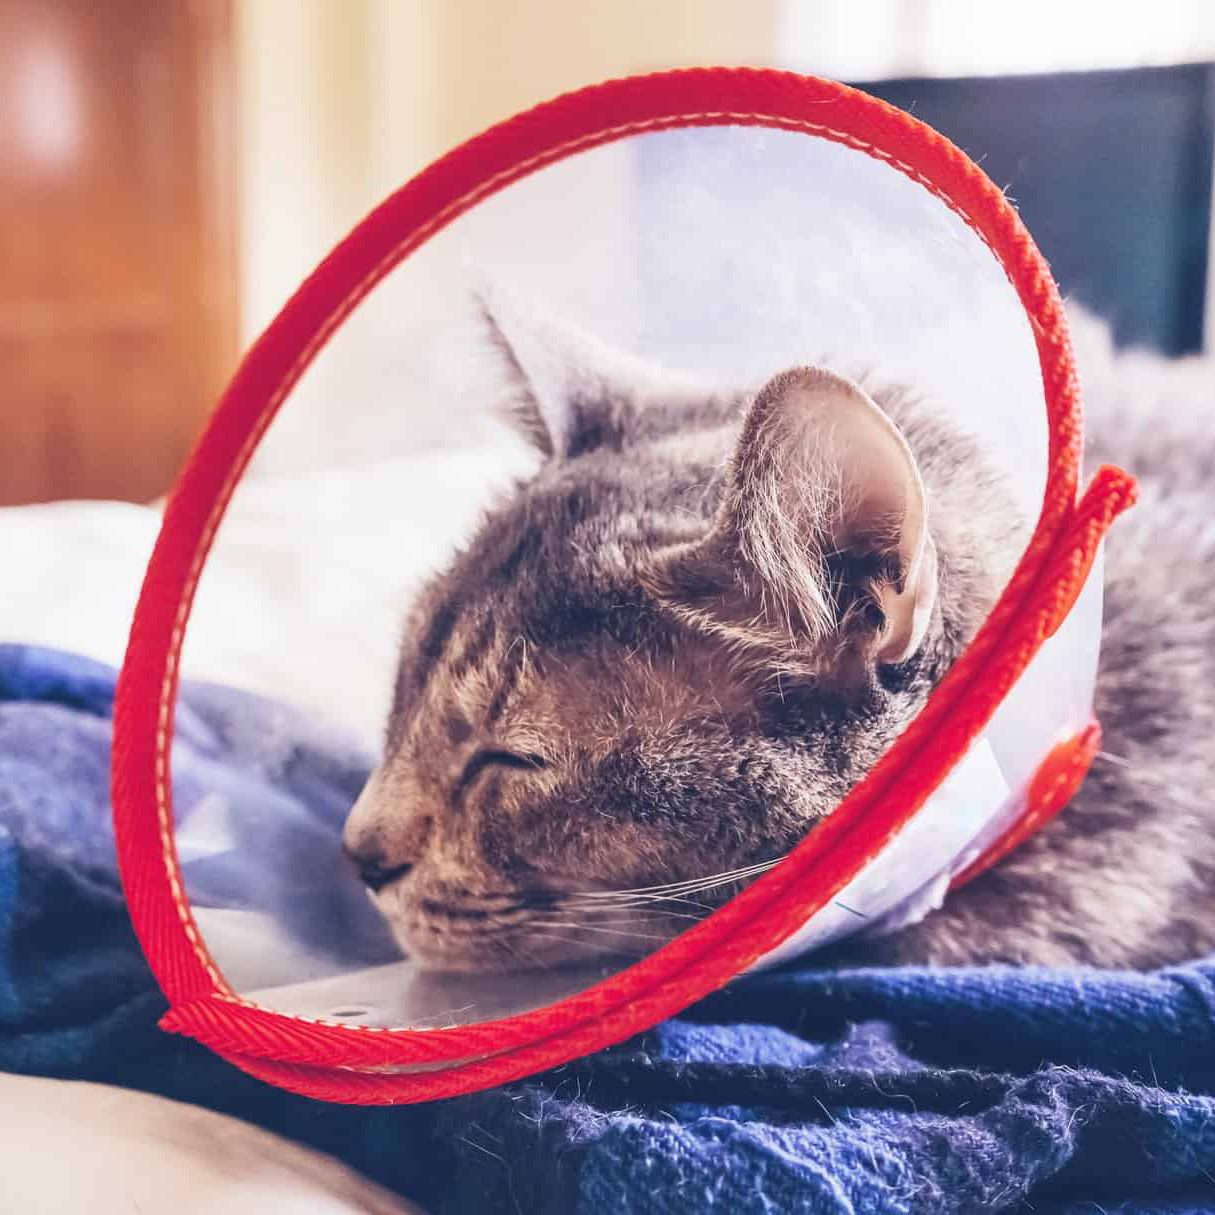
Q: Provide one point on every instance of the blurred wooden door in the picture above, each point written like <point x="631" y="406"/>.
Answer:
<point x="118" y="294"/>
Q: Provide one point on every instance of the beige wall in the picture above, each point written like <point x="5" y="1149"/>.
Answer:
<point x="342" y="100"/>
<point x="502" y="57"/>
<point x="303" y="103"/>
<point x="345" y="99"/>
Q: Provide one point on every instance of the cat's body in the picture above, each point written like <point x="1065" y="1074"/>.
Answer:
<point x="1125" y="875"/>
<point x="704" y="619"/>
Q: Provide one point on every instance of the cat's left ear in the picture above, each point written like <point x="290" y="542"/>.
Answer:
<point x="821" y="552"/>
<point x="571" y="391"/>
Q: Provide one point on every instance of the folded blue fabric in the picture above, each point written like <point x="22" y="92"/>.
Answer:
<point x="803" y="1090"/>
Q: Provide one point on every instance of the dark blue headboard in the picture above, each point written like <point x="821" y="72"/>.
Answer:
<point x="1110" y="170"/>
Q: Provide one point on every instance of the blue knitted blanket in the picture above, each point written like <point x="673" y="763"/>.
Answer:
<point x="802" y="1090"/>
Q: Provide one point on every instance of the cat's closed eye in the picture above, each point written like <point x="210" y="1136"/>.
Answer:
<point x="483" y="760"/>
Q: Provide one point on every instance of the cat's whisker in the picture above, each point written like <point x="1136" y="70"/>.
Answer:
<point x="652" y="912"/>
<point x="615" y="932"/>
<point x="626" y="915"/>
<point x="683" y="895"/>
<point x="642" y="900"/>
<point x="658" y="900"/>
<point x="668" y="888"/>
<point x="648" y="903"/>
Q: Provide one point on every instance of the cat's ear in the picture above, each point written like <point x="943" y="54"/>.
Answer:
<point x="570" y="391"/>
<point x="820" y="553"/>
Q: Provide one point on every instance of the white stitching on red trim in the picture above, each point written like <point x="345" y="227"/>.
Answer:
<point x="270" y="409"/>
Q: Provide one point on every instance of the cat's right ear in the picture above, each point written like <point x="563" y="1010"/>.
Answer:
<point x="570" y="392"/>
<point x="820" y="559"/>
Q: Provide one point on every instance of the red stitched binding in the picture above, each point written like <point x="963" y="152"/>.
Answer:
<point x="323" y="1059"/>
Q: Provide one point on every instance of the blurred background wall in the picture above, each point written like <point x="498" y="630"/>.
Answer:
<point x="174" y="167"/>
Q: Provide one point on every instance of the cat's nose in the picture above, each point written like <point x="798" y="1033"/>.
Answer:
<point x="374" y="869"/>
<point x="385" y="833"/>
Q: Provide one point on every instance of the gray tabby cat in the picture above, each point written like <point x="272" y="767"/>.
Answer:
<point x="669" y="654"/>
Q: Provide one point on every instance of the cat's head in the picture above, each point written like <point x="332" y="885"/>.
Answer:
<point x="650" y="672"/>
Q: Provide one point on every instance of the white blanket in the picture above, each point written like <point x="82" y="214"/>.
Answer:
<point x="303" y="594"/>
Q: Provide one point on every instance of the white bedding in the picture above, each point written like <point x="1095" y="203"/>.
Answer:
<point x="302" y="597"/>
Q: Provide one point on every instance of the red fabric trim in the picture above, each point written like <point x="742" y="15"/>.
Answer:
<point x="1054" y="784"/>
<point x="295" y="1052"/>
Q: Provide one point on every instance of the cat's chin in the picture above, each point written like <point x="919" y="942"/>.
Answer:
<point x="435" y="952"/>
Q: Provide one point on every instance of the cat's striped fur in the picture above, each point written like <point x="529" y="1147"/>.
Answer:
<point x="583" y="708"/>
